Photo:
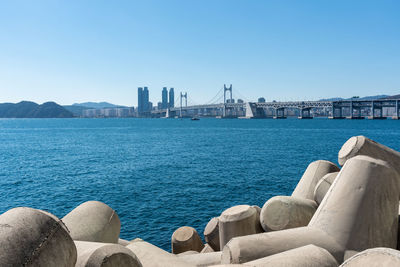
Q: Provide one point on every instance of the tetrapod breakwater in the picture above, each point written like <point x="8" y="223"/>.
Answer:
<point x="345" y="215"/>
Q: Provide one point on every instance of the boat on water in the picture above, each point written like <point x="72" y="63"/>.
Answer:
<point x="195" y="119"/>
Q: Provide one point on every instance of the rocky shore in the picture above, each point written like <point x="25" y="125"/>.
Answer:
<point x="336" y="216"/>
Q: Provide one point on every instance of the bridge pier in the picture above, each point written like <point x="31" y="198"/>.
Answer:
<point x="374" y="109"/>
<point x="396" y="114"/>
<point x="254" y="112"/>
<point x="305" y="113"/>
<point x="358" y="112"/>
<point x="280" y="113"/>
<point x="337" y="112"/>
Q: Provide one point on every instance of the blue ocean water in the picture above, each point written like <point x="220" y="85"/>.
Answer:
<point x="160" y="174"/>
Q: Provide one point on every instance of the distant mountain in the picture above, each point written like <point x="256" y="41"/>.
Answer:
<point x="332" y="99"/>
<point x="26" y="109"/>
<point x="375" y="97"/>
<point x="97" y="105"/>
<point x="393" y="97"/>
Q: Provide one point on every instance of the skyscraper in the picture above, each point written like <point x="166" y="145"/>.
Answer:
<point x="146" y="106"/>
<point x="164" y="104"/>
<point x="140" y="100"/>
<point x="171" y="98"/>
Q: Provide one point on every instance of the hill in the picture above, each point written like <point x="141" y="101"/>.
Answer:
<point x="375" y="97"/>
<point x="97" y="105"/>
<point x="27" y="109"/>
<point x="393" y="97"/>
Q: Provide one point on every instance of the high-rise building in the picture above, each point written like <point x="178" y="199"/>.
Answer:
<point x="164" y="104"/>
<point x="171" y="98"/>
<point x="140" y="100"/>
<point x="261" y="100"/>
<point x="146" y="106"/>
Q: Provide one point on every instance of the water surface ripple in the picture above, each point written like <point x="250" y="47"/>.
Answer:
<point x="160" y="174"/>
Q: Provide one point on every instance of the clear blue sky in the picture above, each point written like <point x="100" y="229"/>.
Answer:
<point x="75" y="51"/>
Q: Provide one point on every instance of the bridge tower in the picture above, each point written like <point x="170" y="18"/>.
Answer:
<point x="227" y="89"/>
<point x="183" y="95"/>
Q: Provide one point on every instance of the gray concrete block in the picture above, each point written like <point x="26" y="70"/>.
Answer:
<point x="123" y="242"/>
<point x="93" y="221"/>
<point x="248" y="248"/>
<point x="364" y="196"/>
<point x="207" y="249"/>
<point x="314" y="172"/>
<point x="283" y="212"/>
<point x="227" y="265"/>
<point x="189" y="252"/>
<point x="93" y="254"/>
<point x="375" y="257"/>
<point x="31" y="237"/>
<point x="211" y="233"/>
<point x="152" y="256"/>
<point x="323" y="186"/>
<point x="361" y="145"/>
<point x="203" y="259"/>
<point x="306" y="256"/>
<point x="237" y="221"/>
<point x="259" y="229"/>
<point x="184" y="239"/>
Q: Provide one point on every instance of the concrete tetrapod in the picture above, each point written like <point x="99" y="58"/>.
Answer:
<point x="283" y="212"/>
<point x="152" y="256"/>
<point x="307" y="256"/>
<point x="184" y="239"/>
<point x="323" y="185"/>
<point x="314" y="172"/>
<point x="211" y="234"/>
<point x="189" y="252"/>
<point x="374" y="257"/>
<point x="203" y="259"/>
<point x="92" y="254"/>
<point x="364" y="196"/>
<point x="259" y="228"/>
<point x="123" y="242"/>
<point x="207" y="249"/>
<point x="237" y="221"/>
<point x="361" y="145"/>
<point x="93" y="221"/>
<point x="31" y="237"/>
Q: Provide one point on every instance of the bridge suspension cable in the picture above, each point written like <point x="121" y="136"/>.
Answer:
<point x="219" y="100"/>
<point x="236" y="92"/>
<point x="191" y="101"/>
<point x="213" y="100"/>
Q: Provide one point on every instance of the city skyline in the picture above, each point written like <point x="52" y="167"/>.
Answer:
<point x="73" y="51"/>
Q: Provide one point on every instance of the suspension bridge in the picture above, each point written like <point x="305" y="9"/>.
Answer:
<point x="223" y="105"/>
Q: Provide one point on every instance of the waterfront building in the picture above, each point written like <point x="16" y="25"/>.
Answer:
<point x="160" y="105"/>
<point x="171" y="98"/>
<point x="240" y="100"/>
<point x="140" y="100"/>
<point x="146" y="106"/>
<point x="230" y="100"/>
<point x="164" y="98"/>
<point x="261" y="100"/>
<point x="108" y="113"/>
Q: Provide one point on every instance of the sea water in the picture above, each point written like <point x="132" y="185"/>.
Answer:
<point x="160" y="174"/>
